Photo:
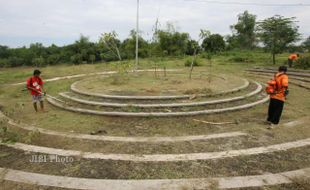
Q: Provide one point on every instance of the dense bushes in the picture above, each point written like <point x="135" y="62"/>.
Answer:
<point x="303" y="62"/>
<point x="241" y="59"/>
<point x="168" y="43"/>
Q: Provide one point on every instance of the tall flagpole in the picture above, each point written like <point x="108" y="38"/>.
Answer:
<point x="137" y="37"/>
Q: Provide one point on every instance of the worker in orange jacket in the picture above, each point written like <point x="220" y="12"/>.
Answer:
<point x="278" y="98"/>
<point x="292" y="58"/>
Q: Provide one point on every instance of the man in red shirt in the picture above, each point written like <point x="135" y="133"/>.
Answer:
<point x="35" y="86"/>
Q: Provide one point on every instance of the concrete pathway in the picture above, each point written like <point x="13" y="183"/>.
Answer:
<point x="156" y="114"/>
<point x="74" y="88"/>
<point x="163" y="157"/>
<point x="90" y="74"/>
<point x="157" y="184"/>
<point x="201" y="103"/>
<point x="171" y="139"/>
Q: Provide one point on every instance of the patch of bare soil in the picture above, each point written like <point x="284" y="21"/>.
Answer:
<point x="107" y="169"/>
<point x="9" y="185"/>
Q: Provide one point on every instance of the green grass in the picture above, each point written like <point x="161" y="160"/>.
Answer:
<point x="147" y="84"/>
<point x="17" y="103"/>
<point x="11" y="75"/>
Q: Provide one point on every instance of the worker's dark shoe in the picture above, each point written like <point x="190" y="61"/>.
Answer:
<point x="271" y="126"/>
<point x="267" y="123"/>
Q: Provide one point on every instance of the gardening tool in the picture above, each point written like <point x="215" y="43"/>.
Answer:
<point x="44" y="94"/>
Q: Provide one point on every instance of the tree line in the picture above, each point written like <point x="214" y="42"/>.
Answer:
<point x="275" y="34"/>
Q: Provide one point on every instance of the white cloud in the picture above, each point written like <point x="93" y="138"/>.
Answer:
<point x="67" y="19"/>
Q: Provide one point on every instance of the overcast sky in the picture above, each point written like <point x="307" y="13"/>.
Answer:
<point x="62" y="21"/>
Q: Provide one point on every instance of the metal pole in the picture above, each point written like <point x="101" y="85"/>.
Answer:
<point x="137" y="37"/>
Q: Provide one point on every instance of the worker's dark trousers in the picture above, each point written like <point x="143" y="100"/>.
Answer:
<point x="275" y="110"/>
<point x="290" y="63"/>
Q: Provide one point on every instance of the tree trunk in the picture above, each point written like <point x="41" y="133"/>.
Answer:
<point x="274" y="58"/>
<point x="118" y="53"/>
<point x="165" y="73"/>
<point x="192" y="64"/>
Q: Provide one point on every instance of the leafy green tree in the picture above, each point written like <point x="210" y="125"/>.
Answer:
<point x="53" y="59"/>
<point x="83" y="48"/>
<point x="232" y="42"/>
<point x="213" y="43"/>
<point x="173" y="43"/>
<point x="76" y="59"/>
<point x="53" y="54"/>
<point x="110" y="42"/>
<point x="38" y="61"/>
<point x="128" y="46"/>
<point x="4" y="63"/>
<point x="4" y="52"/>
<point x="277" y="33"/>
<point x="169" y="42"/>
<point x="203" y="34"/>
<point x="244" y="31"/>
<point x="15" y="61"/>
<point x="24" y="55"/>
<point x="92" y="58"/>
<point x="306" y="44"/>
<point x="192" y="47"/>
<point x="37" y="50"/>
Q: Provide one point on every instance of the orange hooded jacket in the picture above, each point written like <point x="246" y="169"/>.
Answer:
<point x="282" y="84"/>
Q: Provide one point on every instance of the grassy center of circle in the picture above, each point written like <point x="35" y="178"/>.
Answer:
<point x="155" y="84"/>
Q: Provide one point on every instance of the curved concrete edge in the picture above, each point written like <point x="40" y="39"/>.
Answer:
<point x="155" y="184"/>
<point x="163" y="157"/>
<point x="70" y="77"/>
<point x="76" y="90"/>
<point x="289" y="73"/>
<point x="276" y="69"/>
<point x="300" y="84"/>
<point x="124" y="139"/>
<point x="91" y="74"/>
<point x="156" y="114"/>
<point x="107" y="104"/>
<point x="298" y="122"/>
<point x="271" y="75"/>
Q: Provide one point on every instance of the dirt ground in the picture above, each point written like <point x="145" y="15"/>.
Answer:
<point x="16" y="104"/>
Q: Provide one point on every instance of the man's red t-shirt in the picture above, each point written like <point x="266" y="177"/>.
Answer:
<point x="36" y="83"/>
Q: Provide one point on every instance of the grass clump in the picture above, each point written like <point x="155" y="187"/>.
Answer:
<point x="119" y="79"/>
<point x="31" y="136"/>
<point x="241" y="59"/>
<point x="7" y="136"/>
<point x="188" y="63"/>
<point x="303" y="62"/>
<point x="198" y="91"/>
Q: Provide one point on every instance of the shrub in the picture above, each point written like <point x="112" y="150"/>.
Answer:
<point x="38" y="62"/>
<point x="8" y="136"/>
<point x="31" y="136"/>
<point x="188" y="63"/>
<point x="242" y="59"/>
<point x="207" y="55"/>
<point x="15" y="61"/>
<point x="4" y="63"/>
<point x="303" y="62"/>
<point x="76" y="59"/>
